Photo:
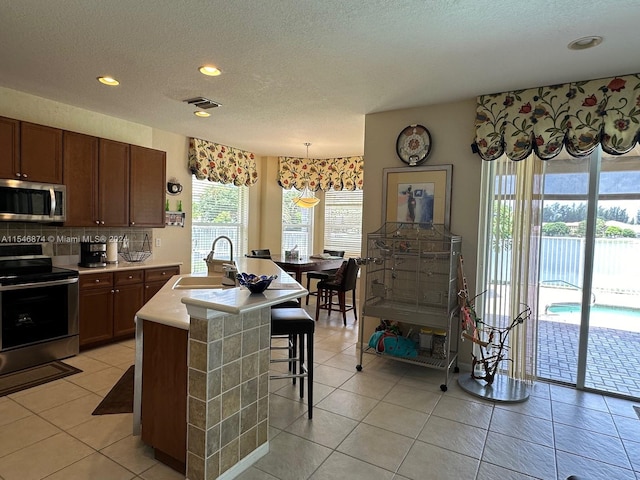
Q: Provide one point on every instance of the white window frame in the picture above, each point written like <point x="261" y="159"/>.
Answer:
<point x="203" y="233"/>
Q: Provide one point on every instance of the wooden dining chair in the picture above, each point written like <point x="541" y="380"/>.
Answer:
<point x="260" y="253"/>
<point x="344" y="281"/>
<point x="322" y="274"/>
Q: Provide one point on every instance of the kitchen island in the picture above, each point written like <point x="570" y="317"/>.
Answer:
<point x="202" y="371"/>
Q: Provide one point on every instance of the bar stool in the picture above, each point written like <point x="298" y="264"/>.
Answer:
<point x="322" y="274"/>
<point x="298" y="326"/>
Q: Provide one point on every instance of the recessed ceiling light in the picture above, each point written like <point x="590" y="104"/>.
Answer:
<point x="209" y="70"/>
<point x="201" y="114"/>
<point x="112" y="82"/>
<point x="585" y="42"/>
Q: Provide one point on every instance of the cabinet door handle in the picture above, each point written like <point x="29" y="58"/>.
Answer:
<point x="18" y="174"/>
<point x="130" y="277"/>
<point x="97" y="280"/>
<point x="164" y="273"/>
<point x="24" y="175"/>
<point x="133" y="223"/>
<point x="97" y="222"/>
<point x="117" y="291"/>
<point x="102" y="222"/>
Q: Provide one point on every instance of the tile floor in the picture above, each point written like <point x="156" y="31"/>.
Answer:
<point x="390" y="421"/>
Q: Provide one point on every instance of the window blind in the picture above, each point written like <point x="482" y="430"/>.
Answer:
<point x="217" y="209"/>
<point x="343" y="221"/>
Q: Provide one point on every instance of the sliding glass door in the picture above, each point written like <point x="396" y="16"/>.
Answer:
<point x="589" y="298"/>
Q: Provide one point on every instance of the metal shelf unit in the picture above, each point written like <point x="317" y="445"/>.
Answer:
<point x="411" y="278"/>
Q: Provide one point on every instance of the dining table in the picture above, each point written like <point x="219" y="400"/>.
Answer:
<point x="306" y="264"/>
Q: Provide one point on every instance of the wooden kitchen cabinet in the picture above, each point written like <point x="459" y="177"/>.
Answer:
<point x="128" y="299"/>
<point x="147" y="187"/>
<point x="109" y="301"/>
<point x="40" y="153"/>
<point x="155" y="278"/>
<point x="9" y="148"/>
<point x="108" y="304"/>
<point x="80" y="167"/>
<point x="164" y="392"/>
<point x="96" y="308"/>
<point x="113" y="183"/>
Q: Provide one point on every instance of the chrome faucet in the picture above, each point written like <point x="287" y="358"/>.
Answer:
<point x="226" y="267"/>
<point x="213" y="247"/>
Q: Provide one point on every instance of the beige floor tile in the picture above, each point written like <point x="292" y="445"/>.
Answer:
<point x="455" y="436"/>
<point x="253" y="473"/>
<point x="325" y="428"/>
<point x="113" y="354"/>
<point x="24" y="432"/>
<point x="86" y="364"/>
<point x="334" y="377"/>
<point x="94" y="467"/>
<point x="99" y="381"/>
<point x="73" y="413"/>
<point x="58" y="394"/>
<point x="131" y="453"/>
<point x="43" y="458"/>
<point x="103" y="430"/>
<point x="441" y="464"/>
<point x="376" y="446"/>
<point x="348" y="404"/>
<point x="284" y="411"/>
<point x="292" y="458"/>
<point x="368" y="385"/>
<point x="397" y="419"/>
<point x="10" y="411"/>
<point x="161" y="472"/>
<point x="338" y="464"/>
<point x="464" y="411"/>
<point x="414" y="398"/>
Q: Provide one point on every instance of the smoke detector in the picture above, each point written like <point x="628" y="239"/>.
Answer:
<point x="202" y="102"/>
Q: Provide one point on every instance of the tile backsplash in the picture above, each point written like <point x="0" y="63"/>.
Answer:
<point x="63" y="243"/>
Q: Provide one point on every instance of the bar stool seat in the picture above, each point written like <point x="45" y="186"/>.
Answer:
<point x="298" y="326"/>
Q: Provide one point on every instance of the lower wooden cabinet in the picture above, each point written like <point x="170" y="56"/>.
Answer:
<point x="164" y="392"/>
<point x="109" y="301"/>
<point x="155" y="278"/>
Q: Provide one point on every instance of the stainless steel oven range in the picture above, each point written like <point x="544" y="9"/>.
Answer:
<point x="38" y="308"/>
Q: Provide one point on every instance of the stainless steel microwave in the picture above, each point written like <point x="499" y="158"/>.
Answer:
<point x="32" y="202"/>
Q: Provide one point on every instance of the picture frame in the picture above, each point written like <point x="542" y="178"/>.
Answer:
<point x="174" y="219"/>
<point x="417" y="195"/>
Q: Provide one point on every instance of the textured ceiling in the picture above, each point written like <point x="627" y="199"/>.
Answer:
<point x="298" y="71"/>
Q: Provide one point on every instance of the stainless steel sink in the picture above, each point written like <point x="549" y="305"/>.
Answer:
<point x="187" y="283"/>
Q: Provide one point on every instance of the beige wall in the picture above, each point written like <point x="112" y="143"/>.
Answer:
<point x="452" y="131"/>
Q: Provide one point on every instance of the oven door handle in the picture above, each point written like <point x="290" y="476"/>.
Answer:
<point x="66" y="281"/>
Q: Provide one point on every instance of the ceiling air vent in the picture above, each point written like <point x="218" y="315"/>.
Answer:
<point x="202" y="102"/>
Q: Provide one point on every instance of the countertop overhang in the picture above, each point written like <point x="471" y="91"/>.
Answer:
<point x="172" y="306"/>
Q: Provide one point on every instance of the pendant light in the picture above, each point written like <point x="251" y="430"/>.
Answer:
<point x="306" y="199"/>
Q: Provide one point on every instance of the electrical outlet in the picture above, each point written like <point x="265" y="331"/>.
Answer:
<point x="158" y="242"/>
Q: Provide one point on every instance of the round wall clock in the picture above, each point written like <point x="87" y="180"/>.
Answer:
<point x="413" y="145"/>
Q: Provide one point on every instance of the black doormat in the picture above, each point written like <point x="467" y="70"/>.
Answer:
<point x="31" y="377"/>
<point x="120" y="398"/>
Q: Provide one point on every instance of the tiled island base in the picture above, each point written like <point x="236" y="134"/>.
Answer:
<point x="228" y="391"/>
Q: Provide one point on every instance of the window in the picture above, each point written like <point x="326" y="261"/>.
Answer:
<point x="297" y="224"/>
<point x="343" y="221"/>
<point x="218" y="209"/>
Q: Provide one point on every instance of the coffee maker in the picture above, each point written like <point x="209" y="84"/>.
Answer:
<point x="93" y="254"/>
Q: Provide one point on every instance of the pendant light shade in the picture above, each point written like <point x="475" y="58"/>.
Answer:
<point x="306" y="199"/>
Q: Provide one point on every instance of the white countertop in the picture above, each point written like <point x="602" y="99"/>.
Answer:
<point x="121" y="266"/>
<point x="169" y="306"/>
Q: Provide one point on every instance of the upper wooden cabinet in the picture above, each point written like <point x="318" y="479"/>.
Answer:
<point x="113" y="183"/>
<point x="9" y="148"/>
<point x="30" y="152"/>
<point x="40" y="153"/>
<point x="80" y="160"/>
<point x="147" y="187"/>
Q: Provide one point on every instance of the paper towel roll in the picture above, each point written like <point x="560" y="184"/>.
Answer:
<point x="112" y="251"/>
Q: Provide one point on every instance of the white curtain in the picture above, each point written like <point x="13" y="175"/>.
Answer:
<point x="510" y="245"/>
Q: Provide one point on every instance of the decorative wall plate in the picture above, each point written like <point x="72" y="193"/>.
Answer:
<point x="413" y="145"/>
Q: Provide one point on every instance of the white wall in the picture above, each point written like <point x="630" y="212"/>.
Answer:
<point x="452" y="130"/>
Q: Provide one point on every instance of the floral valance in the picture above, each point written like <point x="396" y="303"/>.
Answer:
<point x="578" y="115"/>
<point x="219" y="163"/>
<point x="345" y="173"/>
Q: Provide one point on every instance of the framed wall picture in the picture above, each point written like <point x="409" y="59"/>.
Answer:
<point x="417" y="195"/>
